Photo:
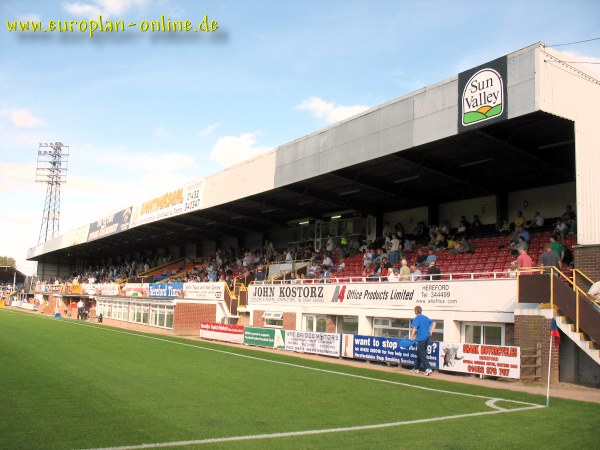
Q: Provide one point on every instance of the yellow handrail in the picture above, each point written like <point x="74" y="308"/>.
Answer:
<point x="577" y="289"/>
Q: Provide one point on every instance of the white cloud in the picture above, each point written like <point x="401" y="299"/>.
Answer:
<point x="29" y="17"/>
<point x="209" y="129"/>
<point x="329" y="111"/>
<point x="161" y="132"/>
<point x="17" y="176"/>
<point x="22" y="118"/>
<point x="230" y="150"/>
<point x="82" y="9"/>
<point x="102" y="7"/>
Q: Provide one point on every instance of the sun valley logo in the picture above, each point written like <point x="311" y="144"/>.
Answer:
<point x="483" y="97"/>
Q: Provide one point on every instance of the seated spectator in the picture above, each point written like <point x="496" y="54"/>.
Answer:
<point x="521" y="242"/>
<point x="382" y="271"/>
<point x="433" y="232"/>
<point x="376" y="258"/>
<point x="525" y="235"/>
<point x="434" y="272"/>
<point x="325" y="273"/>
<point x="368" y="271"/>
<point x="520" y="221"/>
<point x="476" y="221"/>
<point x="561" y="228"/>
<point x="421" y="258"/>
<point x="451" y="242"/>
<point x="327" y="261"/>
<point x="312" y="270"/>
<point x="512" y="270"/>
<point x="415" y="273"/>
<point x="341" y="265"/>
<point x="431" y="257"/>
<point x="393" y="275"/>
<point x="504" y="227"/>
<point x="441" y="243"/>
<point x="420" y="232"/>
<point x="408" y="245"/>
<point x="260" y="274"/>
<point x="404" y="270"/>
<point x="383" y="254"/>
<point x="445" y="227"/>
<point x="462" y="247"/>
<point x="569" y="218"/>
<point x="538" y="220"/>
<point x="594" y="291"/>
<point x="367" y="257"/>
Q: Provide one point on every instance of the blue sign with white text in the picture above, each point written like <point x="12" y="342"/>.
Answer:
<point x="388" y="350"/>
<point x="165" y="290"/>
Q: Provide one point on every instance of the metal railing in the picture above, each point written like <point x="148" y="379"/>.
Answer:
<point x="466" y="276"/>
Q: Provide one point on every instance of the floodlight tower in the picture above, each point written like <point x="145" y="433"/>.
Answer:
<point x="51" y="169"/>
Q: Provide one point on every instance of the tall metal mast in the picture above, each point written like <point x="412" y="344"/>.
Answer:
<point x="51" y="169"/>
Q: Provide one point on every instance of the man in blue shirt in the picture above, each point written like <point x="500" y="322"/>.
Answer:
<point x="421" y="329"/>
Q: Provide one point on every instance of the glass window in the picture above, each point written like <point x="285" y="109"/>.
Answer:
<point x="315" y="323"/>
<point x="138" y="312"/>
<point x="347" y="324"/>
<point x="274" y="323"/>
<point x="474" y="333"/>
<point x="400" y="328"/>
<point x="396" y="328"/>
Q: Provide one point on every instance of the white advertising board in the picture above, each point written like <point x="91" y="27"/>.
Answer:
<point x="310" y="342"/>
<point x="493" y="360"/>
<point x="204" y="291"/>
<point x="465" y="295"/>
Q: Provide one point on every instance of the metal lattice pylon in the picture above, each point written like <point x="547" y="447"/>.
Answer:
<point x="51" y="169"/>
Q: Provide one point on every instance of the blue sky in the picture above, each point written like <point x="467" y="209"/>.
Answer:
<point x="145" y="112"/>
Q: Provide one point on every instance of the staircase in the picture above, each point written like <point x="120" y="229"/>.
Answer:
<point x="580" y="339"/>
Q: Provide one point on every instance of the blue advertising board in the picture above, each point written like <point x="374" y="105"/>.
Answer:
<point x="165" y="290"/>
<point x="386" y="350"/>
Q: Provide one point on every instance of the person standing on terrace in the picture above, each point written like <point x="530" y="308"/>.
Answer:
<point x="524" y="260"/>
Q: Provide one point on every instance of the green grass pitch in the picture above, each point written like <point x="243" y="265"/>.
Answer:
<point x="76" y="385"/>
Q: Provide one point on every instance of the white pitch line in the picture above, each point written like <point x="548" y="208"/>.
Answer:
<point x="311" y="432"/>
<point x="256" y="358"/>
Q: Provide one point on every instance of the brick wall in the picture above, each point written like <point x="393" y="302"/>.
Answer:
<point x="257" y="320"/>
<point x="587" y="259"/>
<point x="331" y="324"/>
<point x="509" y="334"/>
<point x="289" y="320"/>
<point x="187" y="317"/>
<point x="528" y="332"/>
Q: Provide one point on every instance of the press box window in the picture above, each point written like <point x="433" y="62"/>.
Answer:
<point x="273" y="319"/>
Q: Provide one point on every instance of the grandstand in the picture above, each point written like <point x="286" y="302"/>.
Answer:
<point x="426" y="158"/>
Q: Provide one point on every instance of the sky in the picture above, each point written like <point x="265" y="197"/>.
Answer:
<point x="145" y="112"/>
